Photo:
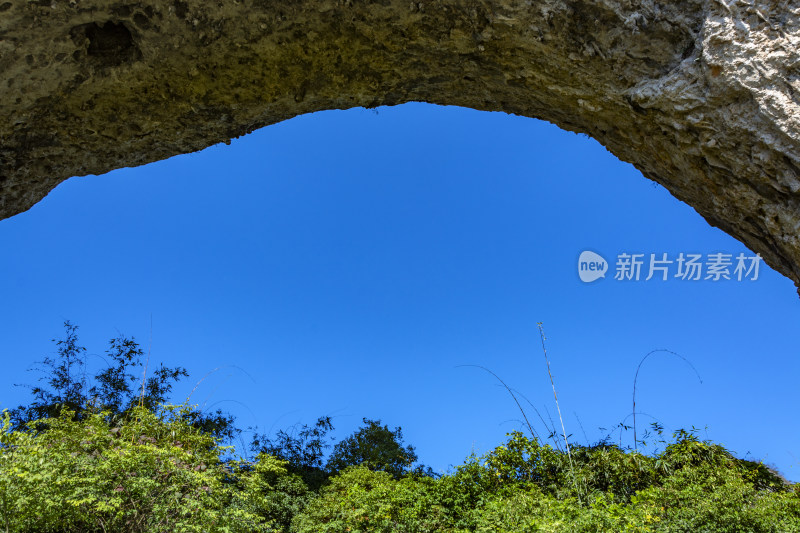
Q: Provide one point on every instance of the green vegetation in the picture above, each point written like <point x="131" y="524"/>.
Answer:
<point x="102" y="459"/>
<point x="125" y="383"/>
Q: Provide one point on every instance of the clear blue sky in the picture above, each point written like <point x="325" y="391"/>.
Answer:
<point x="347" y="262"/>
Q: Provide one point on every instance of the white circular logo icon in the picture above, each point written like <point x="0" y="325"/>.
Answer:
<point x="591" y="266"/>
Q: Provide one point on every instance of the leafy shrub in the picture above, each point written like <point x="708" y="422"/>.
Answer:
<point x="360" y="499"/>
<point x="524" y="486"/>
<point x="153" y="472"/>
<point x="303" y="450"/>
<point x="709" y="498"/>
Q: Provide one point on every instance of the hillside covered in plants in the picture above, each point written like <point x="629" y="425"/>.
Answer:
<point x="108" y="453"/>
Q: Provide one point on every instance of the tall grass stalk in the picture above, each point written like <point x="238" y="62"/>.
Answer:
<point x="147" y="362"/>
<point x="558" y="407"/>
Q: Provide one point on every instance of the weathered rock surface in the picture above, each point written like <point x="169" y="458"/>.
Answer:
<point x="702" y="96"/>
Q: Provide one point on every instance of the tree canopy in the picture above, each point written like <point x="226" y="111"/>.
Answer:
<point x="126" y="381"/>
<point x="377" y="448"/>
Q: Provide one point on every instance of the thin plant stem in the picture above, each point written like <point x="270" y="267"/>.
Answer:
<point x="521" y="410"/>
<point x="585" y="437"/>
<point x="196" y="385"/>
<point x="558" y="407"/>
<point x="146" y="363"/>
<point x="636" y="377"/>
<point x="551" y="430"/>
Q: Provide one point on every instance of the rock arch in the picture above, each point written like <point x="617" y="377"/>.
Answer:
<point x="702" y="96"/>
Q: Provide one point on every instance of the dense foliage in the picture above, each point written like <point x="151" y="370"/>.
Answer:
<point x="155" y="471"/>
<point x="303" y="450"/>
<point x="98" y="460"/>
<point x="377" y="448"/>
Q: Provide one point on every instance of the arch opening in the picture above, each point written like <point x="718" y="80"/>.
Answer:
<point x="700" y="96"/>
